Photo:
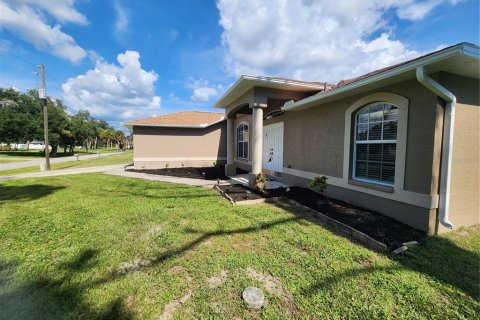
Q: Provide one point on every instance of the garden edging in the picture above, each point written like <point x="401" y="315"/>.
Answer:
<point x="345" y="229"/>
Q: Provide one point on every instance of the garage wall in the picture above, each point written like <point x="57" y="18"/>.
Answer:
<point x="154" y="147"/>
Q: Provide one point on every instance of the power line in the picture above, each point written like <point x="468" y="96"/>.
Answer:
<point x="18" y="57"/>
<point x="49" y="75"/>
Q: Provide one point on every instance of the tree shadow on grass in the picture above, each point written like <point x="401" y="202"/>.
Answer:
<point x="27" y="192"/>
<point x="438" y="258"/>
<point x="45" y="298"/>
<point x="443" y="260"/>
<point x="49" y="298"/>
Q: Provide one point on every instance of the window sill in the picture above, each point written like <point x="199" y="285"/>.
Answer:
<point x="371" y="185"/>
<point x="241" y="160"/>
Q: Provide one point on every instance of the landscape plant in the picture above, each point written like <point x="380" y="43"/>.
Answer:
<point x="320" y="183"/>
<point x="260" y="181"/>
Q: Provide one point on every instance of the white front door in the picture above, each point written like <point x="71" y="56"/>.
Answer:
<point x="273" y="147"/>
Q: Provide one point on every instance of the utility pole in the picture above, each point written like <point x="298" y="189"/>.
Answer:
<point x="42" y="94"/>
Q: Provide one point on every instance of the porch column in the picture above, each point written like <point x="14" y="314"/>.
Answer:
<point x="230" y="167"/>
<point x="257" y="143"/>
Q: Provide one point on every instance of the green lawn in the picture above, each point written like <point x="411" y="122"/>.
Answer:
<point x="102" y="161"/>
<point x="34" y="154"/>
<point x="24" y="154"/>
<point x="95" y="246"/>
<point x="3" y="160"/>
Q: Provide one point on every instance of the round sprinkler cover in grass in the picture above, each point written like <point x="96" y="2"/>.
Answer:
<point x="253" y="297"/>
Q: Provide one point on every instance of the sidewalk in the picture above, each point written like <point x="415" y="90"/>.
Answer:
<point x="37" y="162"/>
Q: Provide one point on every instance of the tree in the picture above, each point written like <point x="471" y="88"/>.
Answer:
<point x="21" y="120"/>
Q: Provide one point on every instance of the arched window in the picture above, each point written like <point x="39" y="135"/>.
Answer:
<point x="242" y="141"/>
<point x="375" y="143"/>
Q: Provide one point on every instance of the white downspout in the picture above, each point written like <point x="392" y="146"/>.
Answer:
<point x="448" y="126"/>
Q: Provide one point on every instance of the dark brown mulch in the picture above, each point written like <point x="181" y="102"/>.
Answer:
<point x="206" y="173"/>
<point x="384" y="229"/>
<point x="239" y="192"/>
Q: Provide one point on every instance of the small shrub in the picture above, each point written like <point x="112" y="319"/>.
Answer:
<point x="320" y="183"/>
<point x="260" y="181"/>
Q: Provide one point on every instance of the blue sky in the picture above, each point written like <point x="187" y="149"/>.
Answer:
<point x="123" y="60"/>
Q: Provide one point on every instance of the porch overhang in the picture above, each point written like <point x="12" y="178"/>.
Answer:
<point x="246" y="82"/>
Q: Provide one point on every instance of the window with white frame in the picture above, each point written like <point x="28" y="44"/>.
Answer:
<point x="375" y="143"/>
<point x="242" y="141"/>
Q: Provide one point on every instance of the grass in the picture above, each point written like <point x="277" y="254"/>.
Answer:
<point x="34" y="154"/>
<point x="24" y="154"/>
<point x="94" y="162"/>
<point x="11" y="160"/>
<point x="96" y="246"/>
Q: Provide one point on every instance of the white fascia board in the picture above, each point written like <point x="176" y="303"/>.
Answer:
<point x="254" y="81"/>
<point x="464" y="48"/>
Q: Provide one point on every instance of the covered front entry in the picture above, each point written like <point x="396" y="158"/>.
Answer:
<point x="273" y="147"/>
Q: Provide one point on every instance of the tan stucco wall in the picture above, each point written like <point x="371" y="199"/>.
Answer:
<point x="314" y="142"/>
<point x="465" y="183"/>
<point x="321" y="138"/>
<point x="154" y="147"/>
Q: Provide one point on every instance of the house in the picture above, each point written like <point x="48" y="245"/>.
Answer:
<point x="189" y="138"/>
<point x="403" y="141"/>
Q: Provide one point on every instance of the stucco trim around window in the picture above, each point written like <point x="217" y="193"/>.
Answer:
<point x="402" y="104"/>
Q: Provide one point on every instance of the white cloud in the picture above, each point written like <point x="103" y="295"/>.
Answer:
<point x="26" y="19"/>
<point x="122" y="18"/>
<point x="314" y="40"/>
<point x="202" y="90"/>
<point x="62" y="10"/>
<point x="204" y="93"/>
<point x="112" y="91"/>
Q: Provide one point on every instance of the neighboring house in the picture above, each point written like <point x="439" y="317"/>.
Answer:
<point x="403" y="141"/>
<point x="189" y="138"/>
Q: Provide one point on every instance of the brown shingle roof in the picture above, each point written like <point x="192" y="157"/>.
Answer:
<point x="343" y="83"/>
<point x="181" y="119"/>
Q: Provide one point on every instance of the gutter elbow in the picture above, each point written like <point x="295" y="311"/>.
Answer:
<point x="446" y="223"/>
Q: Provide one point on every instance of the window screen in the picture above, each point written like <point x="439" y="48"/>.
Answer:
<point x="375" y="143"/>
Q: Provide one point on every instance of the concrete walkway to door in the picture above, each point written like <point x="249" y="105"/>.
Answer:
<point x="243" y="179"/>
<point x="188" y="181"/>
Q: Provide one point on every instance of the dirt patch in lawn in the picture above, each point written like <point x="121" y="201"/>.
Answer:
<point x="217" y="280"/>
<point x="204" y="173"/>
<point x="384" y="229"/>
<point x="273" y="286"/>
<point x="171" y="307"/>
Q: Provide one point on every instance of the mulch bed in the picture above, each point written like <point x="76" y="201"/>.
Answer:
<point x="238" y="192"/>
<point x="384" y="229"/>
<point x="204" y="173"/>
